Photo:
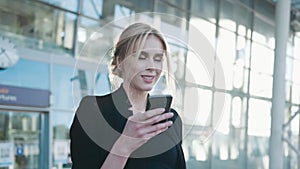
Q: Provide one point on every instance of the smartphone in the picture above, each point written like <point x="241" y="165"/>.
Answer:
<point x="160" y="101"/>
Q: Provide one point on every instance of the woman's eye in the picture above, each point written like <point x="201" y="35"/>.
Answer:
<point x="158" y="58"/>
<point x="142" y="57"/>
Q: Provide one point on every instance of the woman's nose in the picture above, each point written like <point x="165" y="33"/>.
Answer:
<point x="150" y="64"/>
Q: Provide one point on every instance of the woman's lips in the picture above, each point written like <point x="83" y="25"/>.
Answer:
<point x="148" y="78"/>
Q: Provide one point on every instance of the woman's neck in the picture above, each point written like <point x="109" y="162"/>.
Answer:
<point x="137" y="98"/>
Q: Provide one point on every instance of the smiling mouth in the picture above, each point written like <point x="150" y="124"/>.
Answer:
<point x="148" y="79"/>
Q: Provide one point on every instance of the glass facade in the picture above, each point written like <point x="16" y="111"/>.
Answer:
<point x="51" y="36"/>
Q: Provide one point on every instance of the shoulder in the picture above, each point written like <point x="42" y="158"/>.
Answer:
<point x="94" y="99"/>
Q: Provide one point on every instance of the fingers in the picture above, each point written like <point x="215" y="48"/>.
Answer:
<point x="157" y="128"/>
<point x="149" y="114"/>
<point x="154" y="133"/>
<point x="159" y="118"/>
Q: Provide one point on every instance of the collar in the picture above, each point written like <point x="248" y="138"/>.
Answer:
<point x="121" y="102"/>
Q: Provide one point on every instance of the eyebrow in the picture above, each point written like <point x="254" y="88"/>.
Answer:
<point x="147" y="54"/>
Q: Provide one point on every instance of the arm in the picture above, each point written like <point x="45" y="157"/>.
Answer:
<point x="138" y="130"/>
<point x="114" y="158"/>
<point x="84" y="152"/>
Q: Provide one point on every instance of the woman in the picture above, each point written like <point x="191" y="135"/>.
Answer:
<point x="117" y="131"/>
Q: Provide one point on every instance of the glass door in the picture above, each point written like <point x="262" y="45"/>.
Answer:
<point x="20" y="140"/>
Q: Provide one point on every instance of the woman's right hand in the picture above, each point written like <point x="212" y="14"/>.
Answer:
<point x="141" y="127"/>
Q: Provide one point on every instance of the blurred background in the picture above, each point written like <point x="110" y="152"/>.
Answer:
<point x="42" y="82"/>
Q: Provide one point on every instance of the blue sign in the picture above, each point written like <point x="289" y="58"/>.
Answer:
<point x="20" y="150"/>
<point x="18" y="96"/>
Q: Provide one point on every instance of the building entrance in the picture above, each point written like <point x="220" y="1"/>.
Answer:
<point x="20" y="138"/>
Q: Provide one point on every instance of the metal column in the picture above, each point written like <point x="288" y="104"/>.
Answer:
<point x="278" y="100"/>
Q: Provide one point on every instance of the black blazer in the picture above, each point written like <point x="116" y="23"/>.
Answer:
<point x="99" y="121"/>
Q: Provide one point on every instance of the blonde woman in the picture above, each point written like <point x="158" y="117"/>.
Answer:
<point x="117" y="130"/>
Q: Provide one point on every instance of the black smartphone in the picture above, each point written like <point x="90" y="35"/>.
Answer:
<point x="160" y="101"/>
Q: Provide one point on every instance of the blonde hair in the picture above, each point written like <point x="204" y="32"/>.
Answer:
<point x="134" y="37"/>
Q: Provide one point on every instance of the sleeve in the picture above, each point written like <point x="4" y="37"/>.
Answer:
<point x="181" y="164"/>
<point x="177" y="122"/>
<point x="84" y="152"/>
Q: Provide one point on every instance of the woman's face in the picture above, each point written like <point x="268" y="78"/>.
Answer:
<point x="142" y="72"/>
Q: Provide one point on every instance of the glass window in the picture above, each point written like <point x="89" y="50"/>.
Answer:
<point x="296" y="70"/>
<point x="259" y="121"/>
<point x="288" y="89"/>
<point x="200" y="114"/>
<point x="102" y="84"/>
<point x="62" y="78"/>
<point x="297" y="43"/>
<point x="242" y="57"/>
<point x="20" y="138"/>
<point x="38" y="26"/>
<point x="122" y="11"/>
<point x="266" y="9"/>
<point x="197" y="70"/>
<point x="235" y="17"/>
<point x="238" y="76"/>
<point x="289" y="69"/>
<point x="205" y="9"/>
<point x="207" y="29"/>
<point x="223" y="121"/>
<point x="69" y="86"/>
<point x="61" y="123"/>
<point x="66" y="4"/>
<point x="264" y="32"/>
<point x="261" y="85"/>
<point x="295" y="94"/>
<point x="27" y="73"/>
<point x="92" y="8"/>
<point x="226" y="54"/>
<point x="178" y="3"/>
<point x="258" y="154"/>
<point x="236" y="112"/>
<point x="246" y="80"/>
<point x="260" y="56"/>
<point x="163" y="7"/>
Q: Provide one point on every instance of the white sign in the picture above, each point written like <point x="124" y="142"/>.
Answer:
<point x="6" y="154"/>
<point x="61" y="150"/>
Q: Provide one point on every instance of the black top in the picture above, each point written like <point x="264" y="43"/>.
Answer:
<point x="98" y="124"/>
